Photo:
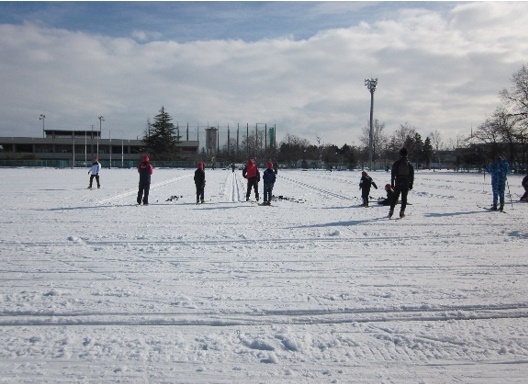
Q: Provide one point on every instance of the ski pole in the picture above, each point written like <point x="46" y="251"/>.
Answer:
<point x="509" y="193"/>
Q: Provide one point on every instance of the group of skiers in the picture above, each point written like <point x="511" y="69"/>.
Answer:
<point x="251" y="173"/>
<point x="402" y="179"/>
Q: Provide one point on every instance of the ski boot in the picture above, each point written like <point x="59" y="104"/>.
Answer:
<point x="494" y="207"/>
<point x="501" y="208"/>
<point x="391" y="212"/>
<point x="402" y="214"/>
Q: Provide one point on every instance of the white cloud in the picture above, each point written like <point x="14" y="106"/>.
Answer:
<point x="436" y="71"/>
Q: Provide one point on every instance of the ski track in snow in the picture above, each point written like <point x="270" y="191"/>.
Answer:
<point x="96" y="289"/>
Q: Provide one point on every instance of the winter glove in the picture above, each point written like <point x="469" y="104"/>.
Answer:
<point x="88" y="172"/>
<point x="410" y="187"/>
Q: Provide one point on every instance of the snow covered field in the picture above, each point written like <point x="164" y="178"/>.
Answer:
<point x="95" y="289"/>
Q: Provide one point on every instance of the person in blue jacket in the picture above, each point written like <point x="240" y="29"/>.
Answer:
<point x="269" y="181"/>
<point x="499" y="170"/>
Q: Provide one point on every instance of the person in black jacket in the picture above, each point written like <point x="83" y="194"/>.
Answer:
<point x="364" y="184"/>
<point x="199" y="181"/>
<point x="402" y="179"/>
<point x="145" y="171"/>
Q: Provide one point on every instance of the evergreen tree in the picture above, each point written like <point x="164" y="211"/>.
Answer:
<point x="427" y="152"/>
<point x="161" y="138"/>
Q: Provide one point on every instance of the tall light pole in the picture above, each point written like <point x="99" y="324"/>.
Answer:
<point x="371" y="85"/>
<point x="101" y="118"/>
<point x="42" y="117"/>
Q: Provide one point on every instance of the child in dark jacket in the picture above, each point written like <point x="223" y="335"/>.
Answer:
<point x="145" y="171"/>
<point x="269" y="181"/>
<point x="364" y="184"/>
<point x="199" y="181"/>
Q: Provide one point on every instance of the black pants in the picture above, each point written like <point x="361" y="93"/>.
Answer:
<point x="268" y="191"/>
<point x="404" y="192"/>
<point x="200" y="193"/>
<point x="365" y="195"/>
<point x="252" y="183"/>
<point x="143" y="192"/>
<point x="96" y="177"/>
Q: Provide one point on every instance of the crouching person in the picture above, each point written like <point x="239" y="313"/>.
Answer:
<point x="390" y="195"/>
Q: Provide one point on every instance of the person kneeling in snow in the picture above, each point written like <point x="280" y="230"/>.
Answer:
<point x="364" y="184"/>
<point x="390" y="196"/>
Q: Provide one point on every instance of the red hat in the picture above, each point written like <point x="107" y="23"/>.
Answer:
<point x="201" y="165"/>
<point x="269" y="165"/>
<point x="387" y="187"/>
<point x="146" y="158"/>
<point x="364" y="173"/>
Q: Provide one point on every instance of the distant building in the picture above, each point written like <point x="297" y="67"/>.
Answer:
<point x="79" y="147"/>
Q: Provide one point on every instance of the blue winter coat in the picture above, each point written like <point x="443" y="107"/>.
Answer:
<point x="498" y="170"/>
<point x="269" y="176"/>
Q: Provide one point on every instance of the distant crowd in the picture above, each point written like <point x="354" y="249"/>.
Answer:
<point x="402" y="180"/>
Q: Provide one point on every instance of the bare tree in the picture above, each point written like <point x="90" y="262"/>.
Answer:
<point x="436" y="140"/>
<point x="516" y="98"/>
<point x="403" y="134"/>
<point x="379" y="139"/>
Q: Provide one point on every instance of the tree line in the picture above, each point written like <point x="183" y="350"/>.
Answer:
<point x="504" y="132"/>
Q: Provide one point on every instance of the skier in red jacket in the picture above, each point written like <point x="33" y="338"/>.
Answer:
<point x="252" y="174"/>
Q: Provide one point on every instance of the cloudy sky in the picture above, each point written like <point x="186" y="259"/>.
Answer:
<point x="299" y="65"/>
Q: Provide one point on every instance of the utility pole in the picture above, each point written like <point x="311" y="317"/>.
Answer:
<point x="101" y="118"/>
<point x="371" y="85"/>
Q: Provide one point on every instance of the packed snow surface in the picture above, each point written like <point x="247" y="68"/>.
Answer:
<point x="313" y="289"/>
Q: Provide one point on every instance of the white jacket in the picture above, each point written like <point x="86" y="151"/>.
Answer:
<point x="96" y="168"/>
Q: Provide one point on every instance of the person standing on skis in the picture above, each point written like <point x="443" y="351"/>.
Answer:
<point x="269" y="181"/>
<point x="199" y="181"/>
<point x="94" y="173"/>
<point x="402" y="179"/>
<point x="499" y="170"/>
<point x="145" y="171"/>
<point x="252" y="174"/>
<point x="364" y="184"/>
